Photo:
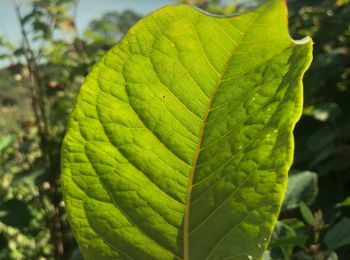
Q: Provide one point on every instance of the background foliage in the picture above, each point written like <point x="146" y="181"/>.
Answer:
<point x="37" y="92"/>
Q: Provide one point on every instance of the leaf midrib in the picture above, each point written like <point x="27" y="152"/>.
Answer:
<point x="200" y="138"/>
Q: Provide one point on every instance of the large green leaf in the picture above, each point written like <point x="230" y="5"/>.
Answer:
<point x="181" y="138"/>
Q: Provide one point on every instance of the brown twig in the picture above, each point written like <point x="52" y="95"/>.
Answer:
<point x="40" y="112"/>
<point x="38" y="91"/>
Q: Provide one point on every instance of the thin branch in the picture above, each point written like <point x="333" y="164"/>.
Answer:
<point x="40" y="112"/>
<point x="39" y="97"/>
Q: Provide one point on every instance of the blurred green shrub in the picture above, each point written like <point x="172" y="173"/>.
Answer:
<point x="38" y="90"/>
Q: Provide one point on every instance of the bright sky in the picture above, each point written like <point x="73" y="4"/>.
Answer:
<point x="90" y="9"/>
<point x="87" y="10"/>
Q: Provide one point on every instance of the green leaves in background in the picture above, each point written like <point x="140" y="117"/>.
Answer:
<point x="339" y="235"/>
<point x="6" y="141"/>
<point x="344" y="203"/>
<point x="181" y="138"/>
<point x="15" y="213"/>
<point x="302" y="186"/>
<point x="307" y="214"/>
<point x="284" y="239"/>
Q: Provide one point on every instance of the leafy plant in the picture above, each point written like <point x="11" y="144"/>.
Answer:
<point x="322" y="134"/>
<point x="302" y="187"/>
<point x="181" y="138"/>
<point x="37" y="91"/>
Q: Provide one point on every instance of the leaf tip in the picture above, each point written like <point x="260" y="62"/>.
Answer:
<point x="304" y="40"/>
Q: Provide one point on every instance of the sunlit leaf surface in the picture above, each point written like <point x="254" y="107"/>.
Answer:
<point x="181" y="138"/>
